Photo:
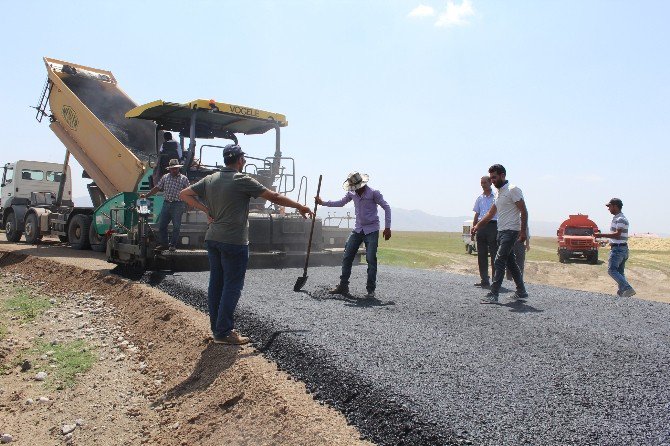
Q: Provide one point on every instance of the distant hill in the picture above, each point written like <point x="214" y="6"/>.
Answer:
<point x="416" y="220"/>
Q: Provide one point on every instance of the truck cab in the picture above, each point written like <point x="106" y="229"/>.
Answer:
<point x="576" y="239"/>
<point x="26" y="184"/>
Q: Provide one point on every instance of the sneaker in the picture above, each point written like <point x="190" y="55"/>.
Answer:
<point x="520" y="295"/>
<point x="172" y="248"/>
<point x="490" y="298"/>
<point x="628" y="292"/>
<point x="483" y="284"/>
<point x="233" y="338"/>
<point x="370" y="295"/>
<point x="340" y="289"/>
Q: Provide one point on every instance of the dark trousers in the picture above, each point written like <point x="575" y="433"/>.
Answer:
<point x="227" y="268"/>
<point x="354" y="241"/>
<point x="171" y="212"/>
<point x="505" y="258"/>
<point x="487" y="246"/>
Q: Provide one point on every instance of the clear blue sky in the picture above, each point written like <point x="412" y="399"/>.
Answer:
<point x="573" y="97"/>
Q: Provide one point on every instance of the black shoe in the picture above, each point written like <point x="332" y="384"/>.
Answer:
<point x="490" y="298"/>
<point x="160" y="248"/>
<point x="483" y="284"/>
<point x="340" y="289"/>
<point x="520" y="295"/>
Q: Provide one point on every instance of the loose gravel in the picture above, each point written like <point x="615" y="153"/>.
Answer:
<point x="425" y="363"/>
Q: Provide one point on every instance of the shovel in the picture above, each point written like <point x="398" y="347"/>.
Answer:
<point x="301" y="280"/>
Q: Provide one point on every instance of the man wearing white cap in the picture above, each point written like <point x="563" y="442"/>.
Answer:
<point x="172" y="183"/>
<point x="365" y="231"/>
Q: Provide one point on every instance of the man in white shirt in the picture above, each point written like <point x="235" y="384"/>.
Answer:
<point x="512" y="226"/>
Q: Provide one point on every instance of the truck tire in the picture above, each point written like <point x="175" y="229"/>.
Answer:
<point x="11" y="232"/>
<point x="562" y="257"/>
<point x="98" y="242"/>
<point x="32" y="229"/>
<point x="593" y="258"/>
<point x="77" y="232"/>
<point x="469" y="249"/>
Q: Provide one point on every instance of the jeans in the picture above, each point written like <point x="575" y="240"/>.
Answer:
<point x="505" y="258"/>
<point x="227" y="268"/>
<point x="520" y="253"/>
<point x="487" y="246"/>
<point x="354" y="241"/>
<point x="616" y="264"/>
<point x="170" y="212"/>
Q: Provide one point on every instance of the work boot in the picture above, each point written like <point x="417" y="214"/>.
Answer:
<point x="490" y="298"/>
<point x="483" y="284"/>
<point x="370" y="295"/>
<point x="233" y="338"/>
<point x="340" y="289"/>
<point x="628" y="292"/>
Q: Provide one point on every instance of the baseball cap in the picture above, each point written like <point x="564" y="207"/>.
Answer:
<point x="232" y="151"/>
<point x="616" y="202"/>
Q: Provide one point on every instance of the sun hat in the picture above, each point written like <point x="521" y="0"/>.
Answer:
<point x="174" y="162"/>
<point x="355" y="181"/>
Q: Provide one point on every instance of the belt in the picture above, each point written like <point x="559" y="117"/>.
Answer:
<point x="618" y="244"/>
<point x="493" y="221"/>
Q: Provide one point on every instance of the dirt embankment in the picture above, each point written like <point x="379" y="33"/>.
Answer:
<point x="156" y="378"/>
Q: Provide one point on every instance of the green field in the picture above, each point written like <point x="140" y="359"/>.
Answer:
<point x="433" y="249"/>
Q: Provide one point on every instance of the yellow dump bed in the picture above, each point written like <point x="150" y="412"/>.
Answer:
<point x="89" y="111"/>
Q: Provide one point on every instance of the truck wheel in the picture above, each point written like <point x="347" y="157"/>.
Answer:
<point x="593" y="259"/>
<point x="469" y="249"/>
<point x="77" y="233"/>
<point x="32" y="229"/>
<point x="562" y="257"/>
<point x="98" y="242"/>
<point x="11" y="232"/>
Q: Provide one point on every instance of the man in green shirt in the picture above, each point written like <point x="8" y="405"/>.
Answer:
<point x="225" y="196"/>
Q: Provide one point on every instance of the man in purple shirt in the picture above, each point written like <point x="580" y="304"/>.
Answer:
<point x="366" y="230"/>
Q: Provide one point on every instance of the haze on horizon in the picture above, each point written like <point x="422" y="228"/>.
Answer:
<point x="571" y="97"/>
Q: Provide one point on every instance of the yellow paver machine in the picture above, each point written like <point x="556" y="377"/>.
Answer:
<point x="117" y="143"/>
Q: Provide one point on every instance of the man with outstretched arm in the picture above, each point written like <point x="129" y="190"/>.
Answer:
<point x="512" y="226"/>
<point x="225" y="196"/>
<point x="366" y="229"/>
<point x="619" y="247"/>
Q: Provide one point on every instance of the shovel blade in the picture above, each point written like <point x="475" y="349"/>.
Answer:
<point x="299" y="283"/>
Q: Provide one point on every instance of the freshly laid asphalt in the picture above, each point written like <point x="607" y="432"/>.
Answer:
<point x="424" y="363"/>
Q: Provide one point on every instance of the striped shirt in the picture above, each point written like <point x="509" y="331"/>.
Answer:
<point x="172" y="185"/>
<point x="619" y="221"/>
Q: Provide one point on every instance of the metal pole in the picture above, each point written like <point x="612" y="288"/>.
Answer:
<point x="63" y="179"/>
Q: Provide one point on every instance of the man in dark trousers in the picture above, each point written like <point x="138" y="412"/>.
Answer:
<point x="172" y="183"/>
<point x="486" y="237"/>
<point x="512" y="215"/>
<point x="366" y="230"/>
<point x="225" y="198"/>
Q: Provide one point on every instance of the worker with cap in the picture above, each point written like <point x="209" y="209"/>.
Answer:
<point x="172" y="183"/>
<point x="366" y="229"/>
<point x="225" y="197"/>
<point x="619" y="247"/>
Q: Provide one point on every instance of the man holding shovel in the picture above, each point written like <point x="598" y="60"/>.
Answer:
<point x="225" y="198"/>
<point x="365" y="231"/>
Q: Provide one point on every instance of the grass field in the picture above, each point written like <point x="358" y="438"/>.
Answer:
<point x="433" y="249"/>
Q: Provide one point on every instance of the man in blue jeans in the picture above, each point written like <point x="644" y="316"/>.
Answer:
<point x="172" y="183"/>
<point x="225" y="198"/>
<point x="512" y="226"/>
<point x="366" y="229"/>
<point x="619" y="247"/>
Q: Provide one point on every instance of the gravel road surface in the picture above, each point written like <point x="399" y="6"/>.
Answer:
<point x="425" y="363"/>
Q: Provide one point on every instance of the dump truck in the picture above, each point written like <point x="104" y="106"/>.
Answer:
<point x="32" y="185"/>
<point x="117" y="144"/>
<point x="576" y="239"/>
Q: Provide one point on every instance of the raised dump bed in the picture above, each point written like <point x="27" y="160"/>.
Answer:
<point x="89" y="110"/>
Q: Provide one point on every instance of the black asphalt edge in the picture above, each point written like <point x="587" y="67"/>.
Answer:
<point x="382" y="418"/>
